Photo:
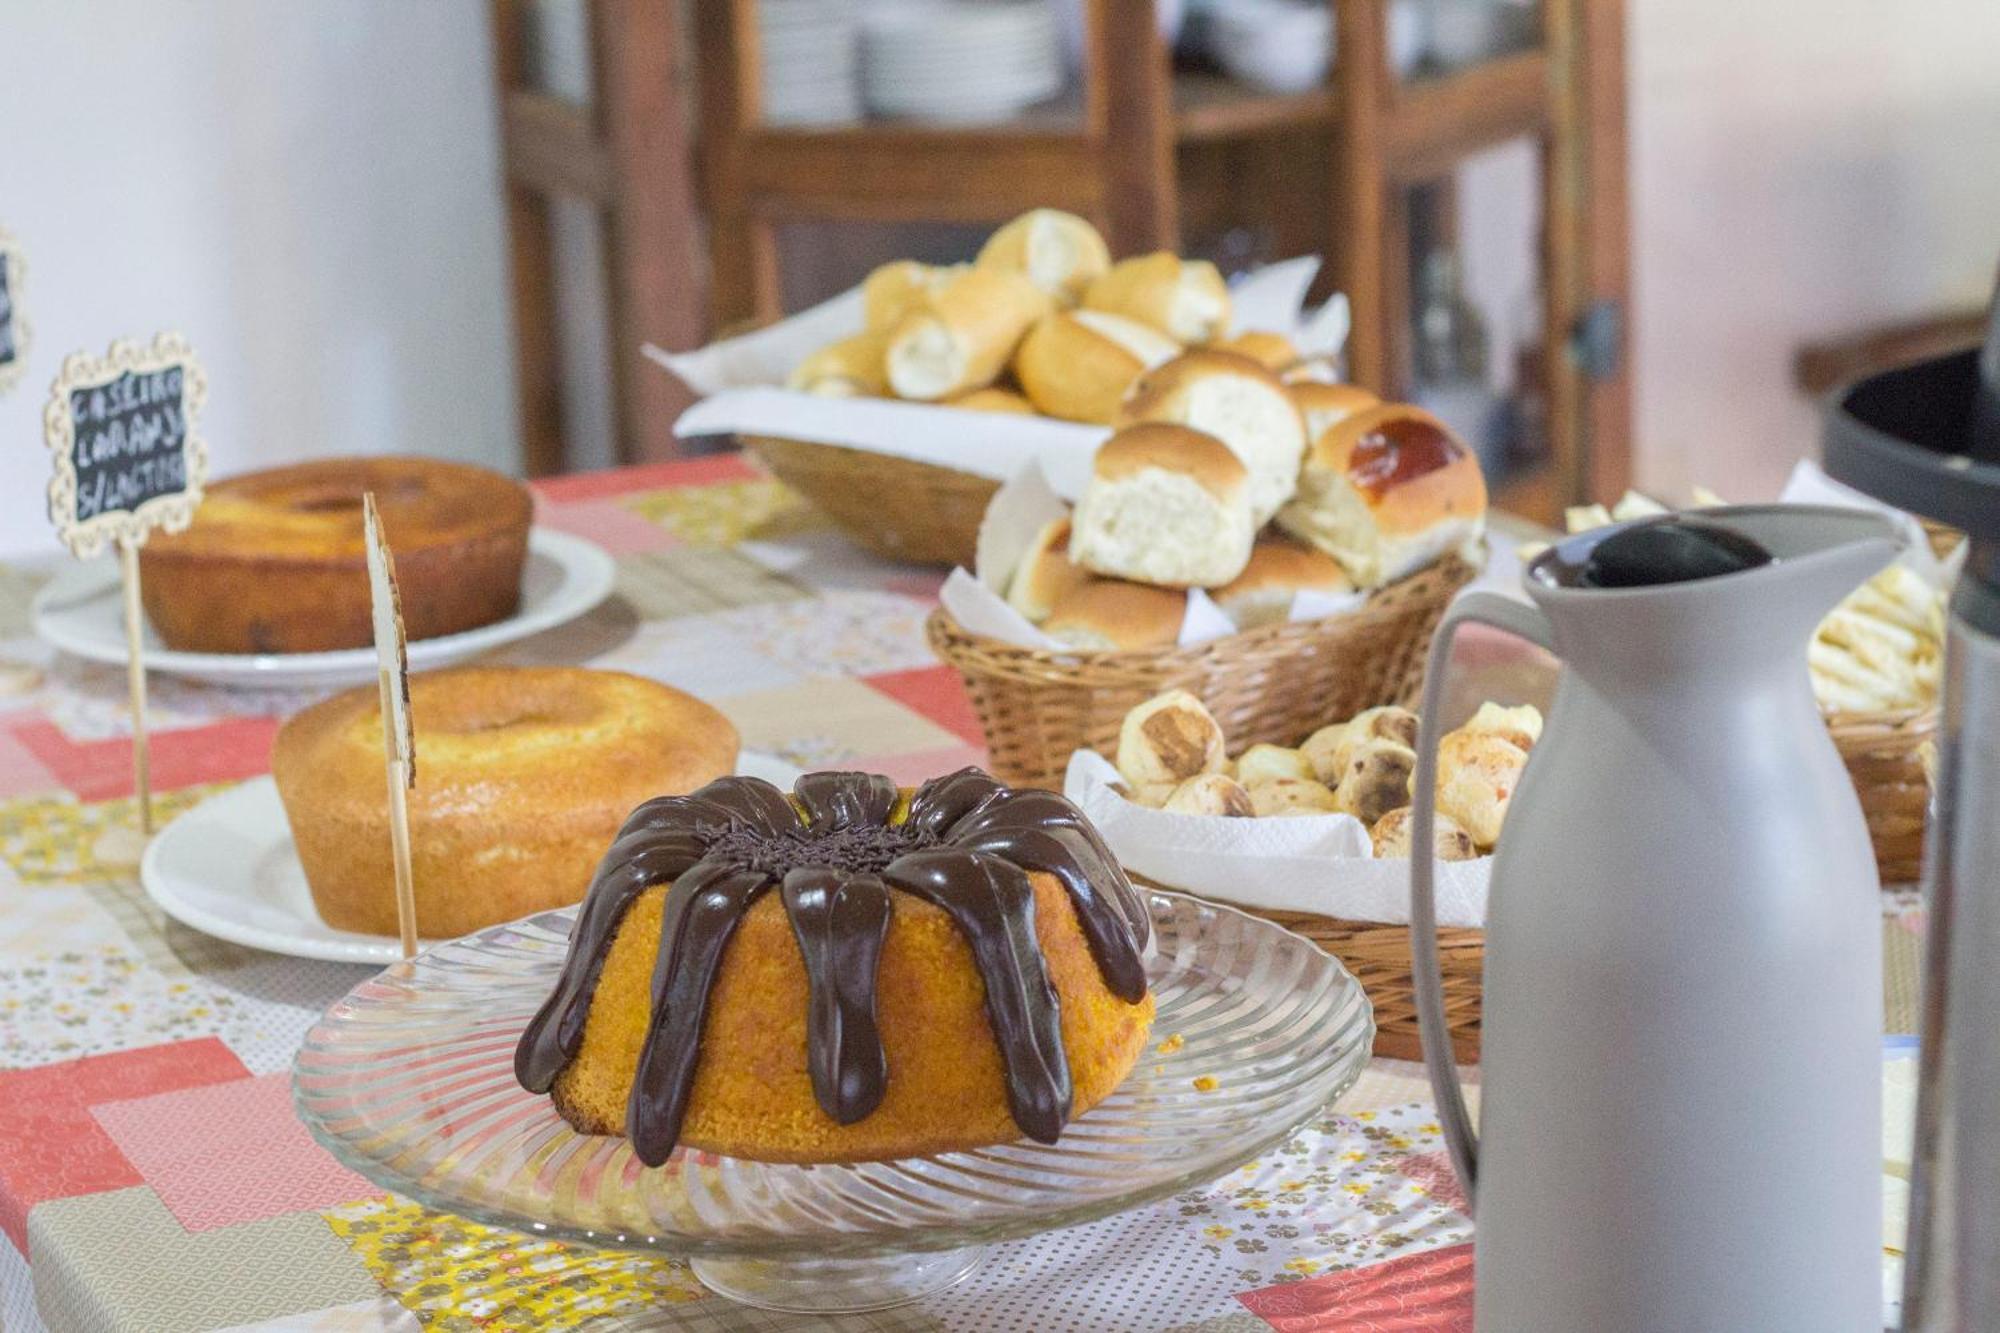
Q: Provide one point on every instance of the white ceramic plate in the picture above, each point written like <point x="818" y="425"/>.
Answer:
<point x="228" y="868"/>
<point x="79" y="611"/>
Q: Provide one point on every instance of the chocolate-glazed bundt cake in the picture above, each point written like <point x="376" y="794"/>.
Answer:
<point x="850" y="973"/>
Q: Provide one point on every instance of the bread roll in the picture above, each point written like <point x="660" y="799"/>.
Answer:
<point x="1278" y="571"/>
<point x="1261" y="763"/>
<point x="1389" y="723"/>
<point x="1152" y="795"/>
<point x="1326" y="405"/>
<point x="1240" y="403"/>
<point x="1078" y="364"/>
<point x="1280" y="797"/>
<point x="1165" y="505"/>
<point x="1312" y="370"/>
<point x="1273" y="351"/>
<point x="854" y="367"/>
<point x="1169" y="738"/>
<point x="1449" y="842"/>
<point x="1109" y="615"/>
<point x="994" y="399"/>
<point x="1321" y="751"/>
<point x="1210" y="794"/>
<point x="1521" y="726"/>
<point x="1476" y="775"/>
<point x="1186" y="299"/>
<point x="962" y="335"/>
<point x="1386" y="492"/>
<point x="894" y="290"/>
<point x="1045" y="573"/>
<point x="1058" y="252"/>
<point x="1376" y="780"/>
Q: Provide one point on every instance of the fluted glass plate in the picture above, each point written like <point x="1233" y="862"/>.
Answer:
<point x="409" y="1080"/>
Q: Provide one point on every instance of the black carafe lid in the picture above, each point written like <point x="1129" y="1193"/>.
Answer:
<point x="1926" y="438"/>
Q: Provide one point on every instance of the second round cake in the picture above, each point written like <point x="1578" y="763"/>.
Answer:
<point x="523" y="775"/>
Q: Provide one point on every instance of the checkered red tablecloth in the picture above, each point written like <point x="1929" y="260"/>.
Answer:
<point x="153" y="1178"/>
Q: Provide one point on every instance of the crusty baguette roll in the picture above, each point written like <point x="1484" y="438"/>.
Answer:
<point x="1165" y="505"/>
<point x="961" y="336"/>
<point x="1376" y="780"/>
<point x="1109" y="615"/>
<point x="1326" y="405"/>
<point x="1449" y="842"/>
<point x="1210" y="794"/>
<point x="1280" y="797"/>
<point x="1273" y="351"/>
<point x="1186" y="299"/>
<point x="994" y="399"/>
<point x="1386" y="492"/>
<point x="1261" y="763"/>
<point x="1279" y="570"/>
<point x="1058" y="252"/>
<point x="851" y="368"/>
<point x="1045" y="573"/>
<point x="1476" y="775"/>
<point x="1240" y="403"/>
<point x="895" y="289"/>
<point x="1078" y="364"/>
<point x="1169" y="738"/>
<point x="1521" y="726"/>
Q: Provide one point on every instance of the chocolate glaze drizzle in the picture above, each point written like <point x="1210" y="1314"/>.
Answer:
<point x="967" y="844"/>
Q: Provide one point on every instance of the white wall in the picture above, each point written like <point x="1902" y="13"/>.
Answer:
<point x="308" y="189"/>
<point x="1800" y="169"/>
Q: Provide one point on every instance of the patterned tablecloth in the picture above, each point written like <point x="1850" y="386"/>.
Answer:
<point x="153" y="1177"/>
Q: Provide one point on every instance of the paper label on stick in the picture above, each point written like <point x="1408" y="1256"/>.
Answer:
<point x="392" y="654"/>
<point x="123" y="433"/>
<point x="14" y="331"/>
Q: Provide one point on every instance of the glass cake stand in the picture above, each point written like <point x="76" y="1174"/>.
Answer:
<point x="409" y="1081"/>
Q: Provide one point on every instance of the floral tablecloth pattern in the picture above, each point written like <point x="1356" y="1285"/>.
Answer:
<point x="153" y="1177"/>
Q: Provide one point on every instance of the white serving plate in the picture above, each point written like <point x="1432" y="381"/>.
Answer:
<point x="80" y="612"/>
<point x="228" y="868"/>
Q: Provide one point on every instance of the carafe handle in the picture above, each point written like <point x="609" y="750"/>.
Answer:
<point x="1526" y="621"/>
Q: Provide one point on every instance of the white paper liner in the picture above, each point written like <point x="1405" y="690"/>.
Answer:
<point x="1809" y="485"/>
<point x="1300" y="863"/>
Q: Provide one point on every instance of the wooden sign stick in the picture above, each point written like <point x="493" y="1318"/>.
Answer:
<point x="135" y="680"/>
<point x="392" y="678"/>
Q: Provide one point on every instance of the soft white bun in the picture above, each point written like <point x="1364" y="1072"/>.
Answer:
<point x="1078" y="364"/>
<point x="1169" y="738"/>
<point x="1391" y="836"/>
<point x="1386" y="492"/>
<point x="1110" y="615"/>
<point x="1522" y="725"/>
<point x="1476" y="775"/>
<point x="1058" y="252"/>
<point x="1327" y="405"/>
<point x="1210" y="794"/>
<point x="1278" y="571"/>
<point x="851" y="368"/>
<point x="1376" y="780"/>
<point x="961" y="336"/>
<point x="1278" y="797"/>
<point x="1186" y="299"/>
<point x="1261" y="763"/>
<point x="1165" y="505"/>
<point x="1045" y="573"/>
<point x="895" y="289"/>
<point x="1240" y="403"/>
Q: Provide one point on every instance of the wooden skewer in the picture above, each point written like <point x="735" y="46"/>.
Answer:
<point x="135" y="678"/>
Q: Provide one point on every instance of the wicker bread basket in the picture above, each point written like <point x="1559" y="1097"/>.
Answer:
<point x="896" y="507"/>
<point x="1275" y="683"/>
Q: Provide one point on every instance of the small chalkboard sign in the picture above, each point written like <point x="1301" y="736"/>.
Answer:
<point x="13" y="319"/>
<point x="128" y="450"/>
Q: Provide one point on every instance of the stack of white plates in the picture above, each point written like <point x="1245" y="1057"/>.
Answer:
<point x="810" y="61"/>
<point x="952" y="60"/>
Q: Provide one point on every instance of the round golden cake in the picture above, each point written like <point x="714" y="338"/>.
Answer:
<point x="851" y="973"/>
<point x="523" y="776"/>
<point x="274" y="561"/>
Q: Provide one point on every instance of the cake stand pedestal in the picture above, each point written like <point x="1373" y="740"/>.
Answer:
<point x="409" y="1080"/>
